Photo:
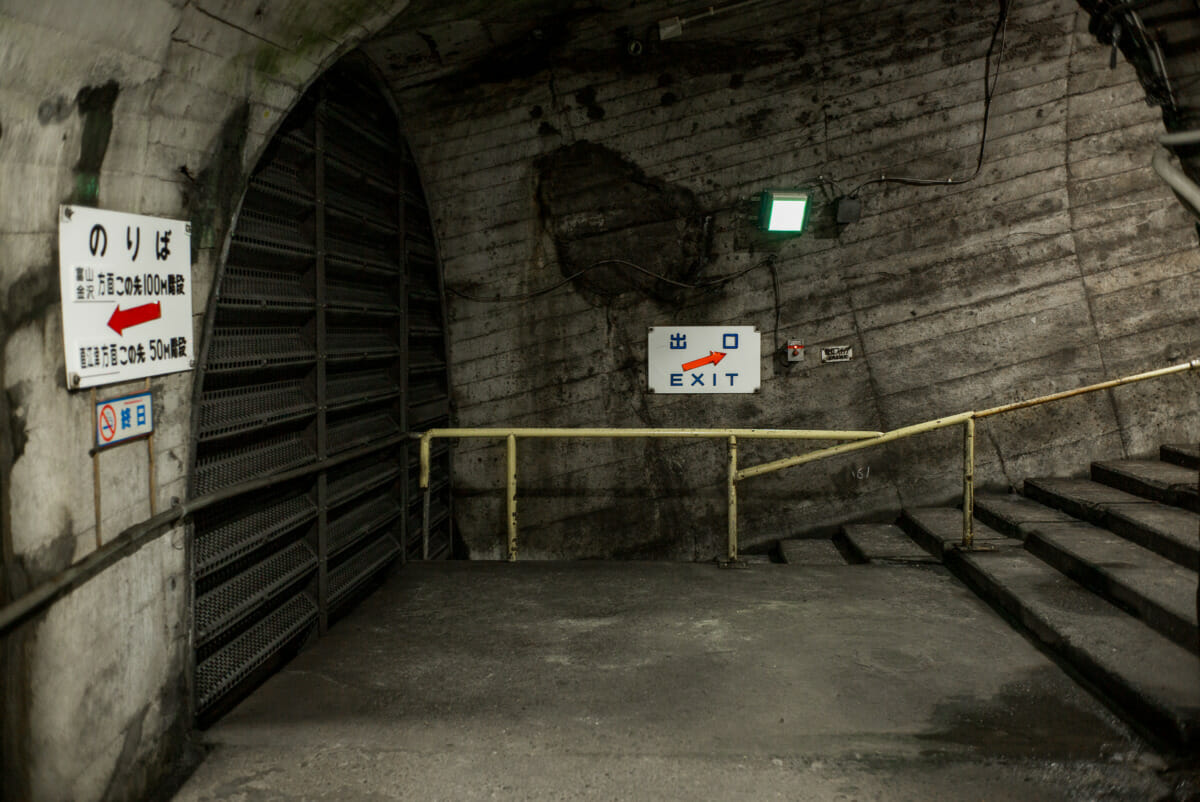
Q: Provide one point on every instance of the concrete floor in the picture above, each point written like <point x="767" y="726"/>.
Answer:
<point x="553" y="681"/>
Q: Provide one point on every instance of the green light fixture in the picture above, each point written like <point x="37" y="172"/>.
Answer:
<point x="784" y="210"/>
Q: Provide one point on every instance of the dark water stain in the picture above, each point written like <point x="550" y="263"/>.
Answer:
<point x="55" y="109"/>
<point x="536" y="113"/>
<point x="546" y="129"/>
<point x="17" y="431"/>
<point x="668" y="99"/>
<point x="96" y="107"/>
<point x="752" y="124"/>
<point x="33" y="568"/>
<point x="527" y="59"/>
<point x="586" y="98"/>
<point x="30" y="297"/>
<point x="1028" y="718"/>
<point x="219" y="185"/>
<point x="597" y="205"/>
<point x="431" y="43"/>
<point x="524" y="58"/>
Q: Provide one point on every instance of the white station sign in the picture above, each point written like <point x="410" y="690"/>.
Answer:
<point x="126" y="283"/>
<point x="704" y="359"/>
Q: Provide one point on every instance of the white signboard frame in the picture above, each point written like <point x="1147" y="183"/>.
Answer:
<point x="704" y="359"/>
<point x="126" y="283"/>
<point x="122" y="419"/>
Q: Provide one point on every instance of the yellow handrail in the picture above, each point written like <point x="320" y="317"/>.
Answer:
<point x="861" y="440"/>
<point x="511" y="435"/>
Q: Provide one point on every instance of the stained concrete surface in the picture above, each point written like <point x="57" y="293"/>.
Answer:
<point x="671" y="681"/>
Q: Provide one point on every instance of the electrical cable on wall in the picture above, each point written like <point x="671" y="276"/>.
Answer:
<point x="990" y="79"/>
<point x="710" y="284"/>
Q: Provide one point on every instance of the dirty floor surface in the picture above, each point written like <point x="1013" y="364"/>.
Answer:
<point x="622" y="681"/>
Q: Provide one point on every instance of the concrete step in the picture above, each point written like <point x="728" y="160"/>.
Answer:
<point x="810" y="551"/>
<point x="939" y="530"/>
<point x="1185" y="454"/>
<point x="1008" y="513"/>
<point x="1152" y="588"/>
<point x="882" y="543"/>
<point x="1153" y="681"/>
<point x="1166" y="530"/>
<point x="1153" y="479"/>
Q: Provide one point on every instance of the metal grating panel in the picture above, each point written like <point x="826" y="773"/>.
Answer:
<point x="361" y="431"/>
<point x="221" y="543"/>
<point x="272" y="455"/>
<point x="361" y="566"/>
<point x="252" y="347"/>
<point x="332" y="277"/>
<point x="226" y="604"/>
<point x="361" y="479"/>
<point x="361" y="388"/>
<point x="225" y="412"/>
<point x="264" y="289"/>
<point x="361" y="251"/>
<point x="234" y="662"/>
<point x="360" y="520"/>
<point x="284" y="180"/>
<point x="361" y="298"/>
<point x="362" y="344"/>
<point x="256" y="229"/>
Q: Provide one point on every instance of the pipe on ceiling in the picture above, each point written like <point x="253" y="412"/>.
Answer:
<point x="1184" y="187"/>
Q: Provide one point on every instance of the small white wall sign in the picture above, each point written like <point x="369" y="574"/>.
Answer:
<point x="837" y="353"/>
<point x="124" y="418"/>
<point x="126" y="282"/>
<point x="704" y="359"/>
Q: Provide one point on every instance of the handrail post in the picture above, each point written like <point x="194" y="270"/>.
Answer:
<point x="512" y="498"/>
<point x="733" y="510"/>
<point x="426" y="439"/>
<point x="968" y="502"/>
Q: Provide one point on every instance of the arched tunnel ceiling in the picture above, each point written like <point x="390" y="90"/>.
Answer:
<point x="459" y="46"/>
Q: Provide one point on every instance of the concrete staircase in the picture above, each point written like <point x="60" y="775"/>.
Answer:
<point x="1101" y="572"/>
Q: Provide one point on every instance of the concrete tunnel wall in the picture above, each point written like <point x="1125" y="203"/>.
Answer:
<point x="157" y="107"/>
<point x="937" y="289"/>
<point x="1065" y="262"/>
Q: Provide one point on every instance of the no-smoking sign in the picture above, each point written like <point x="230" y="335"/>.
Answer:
<point x="121" y="419"/>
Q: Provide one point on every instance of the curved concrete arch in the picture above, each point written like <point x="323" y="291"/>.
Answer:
<point x="162" y="106"/>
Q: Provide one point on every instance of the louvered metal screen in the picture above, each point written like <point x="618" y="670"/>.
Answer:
<point x="327" y="338"/>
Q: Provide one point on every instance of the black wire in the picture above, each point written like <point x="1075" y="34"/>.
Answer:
<point x="713" y="283"/>
<point x="999" y="33"/>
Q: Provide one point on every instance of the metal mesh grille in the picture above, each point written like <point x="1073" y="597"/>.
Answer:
<point x="234" y="662"/>
<point x="280" y="234"/>
<point x="358" y="568"/>
<point x="425" y="358"/>
<point x="225" y="604"/>
<point x="361" y="343"/>
<point x="360" y="520"/>
<point x="363" y="201"/>
<point x="220" y="544"/>
<point x="361" y="431"/>
<point x="282" y="178"/>
<point x="273" y="455"/>
<point x="360" y="297"/>
<point x="244" y="347"/>
<point x="287" y="381"/>
<point x="357" y="388"/>
<point x="224" y="412"/>
<point x="264" y="289"/>
<point x="361" y="251"/>
<point x="360" y="479"/>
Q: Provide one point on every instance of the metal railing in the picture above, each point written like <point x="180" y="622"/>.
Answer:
<point x="859" y="440"/>
<point x="511" y="436"/>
